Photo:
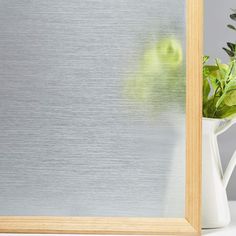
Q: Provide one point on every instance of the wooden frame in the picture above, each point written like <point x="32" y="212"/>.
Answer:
<point x="190" y="225"/>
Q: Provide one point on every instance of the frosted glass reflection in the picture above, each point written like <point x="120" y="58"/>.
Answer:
<point x="92" y="108"/>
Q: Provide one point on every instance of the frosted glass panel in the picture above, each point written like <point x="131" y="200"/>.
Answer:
<point x="92" y="108"/>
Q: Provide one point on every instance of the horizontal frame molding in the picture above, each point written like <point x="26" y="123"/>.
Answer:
<point x="96" y="225"/>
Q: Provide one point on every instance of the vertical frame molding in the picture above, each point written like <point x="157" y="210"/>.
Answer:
<point x="194" y="111"/>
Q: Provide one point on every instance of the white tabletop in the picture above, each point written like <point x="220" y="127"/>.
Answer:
<point x="227" y="231"/>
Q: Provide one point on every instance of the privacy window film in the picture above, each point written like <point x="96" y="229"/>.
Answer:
<point x="92" y="108"/>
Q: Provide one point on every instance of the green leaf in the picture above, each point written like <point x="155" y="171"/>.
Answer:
<point x="214" y="83"/>
<point x="226" y="112"/>
<point x="233" y="16"/>
<point x="206" y="90"/>
<point x="209" y="108"/>
<point x="230" y="98"/>
<point x="229" y="87"/>
<point x="230" y="53"/>
<point x="232" y="46"/>
<point x="205" y="59"/>
<point x="210" y="71"/>
<point x="231" y="27"/>
<point x="221" y="99"/>
<point x="230" y="74"/>
<point x="223" y="71"/>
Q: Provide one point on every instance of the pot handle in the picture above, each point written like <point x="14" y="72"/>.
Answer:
<point x="229" y="170"/>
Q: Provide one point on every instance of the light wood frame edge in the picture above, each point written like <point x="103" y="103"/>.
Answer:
<point x="191" y="224"/>
<point x="194" y="113"/>
<point x="97" y="225"/>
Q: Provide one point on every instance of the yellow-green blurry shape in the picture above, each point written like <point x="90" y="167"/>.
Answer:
<point x="157" y="62"/>
<point x="169" y="51"/>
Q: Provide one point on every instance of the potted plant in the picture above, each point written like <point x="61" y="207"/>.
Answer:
<point x="219" y="110"/>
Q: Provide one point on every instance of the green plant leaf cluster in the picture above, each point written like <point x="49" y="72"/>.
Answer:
<point x="219" y="89"/>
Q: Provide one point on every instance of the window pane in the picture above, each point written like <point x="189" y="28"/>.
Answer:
<point x="92" y="108"/>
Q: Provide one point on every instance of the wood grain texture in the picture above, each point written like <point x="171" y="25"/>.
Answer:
<point x="194" y="112"/>
<point x="154" y="226"/>
<point x="93" y="225"/>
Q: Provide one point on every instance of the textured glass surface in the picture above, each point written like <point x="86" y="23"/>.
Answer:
<point x="92" y="107"/>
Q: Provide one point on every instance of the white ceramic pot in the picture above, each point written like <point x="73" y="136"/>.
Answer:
<point x="215" y="209"/>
